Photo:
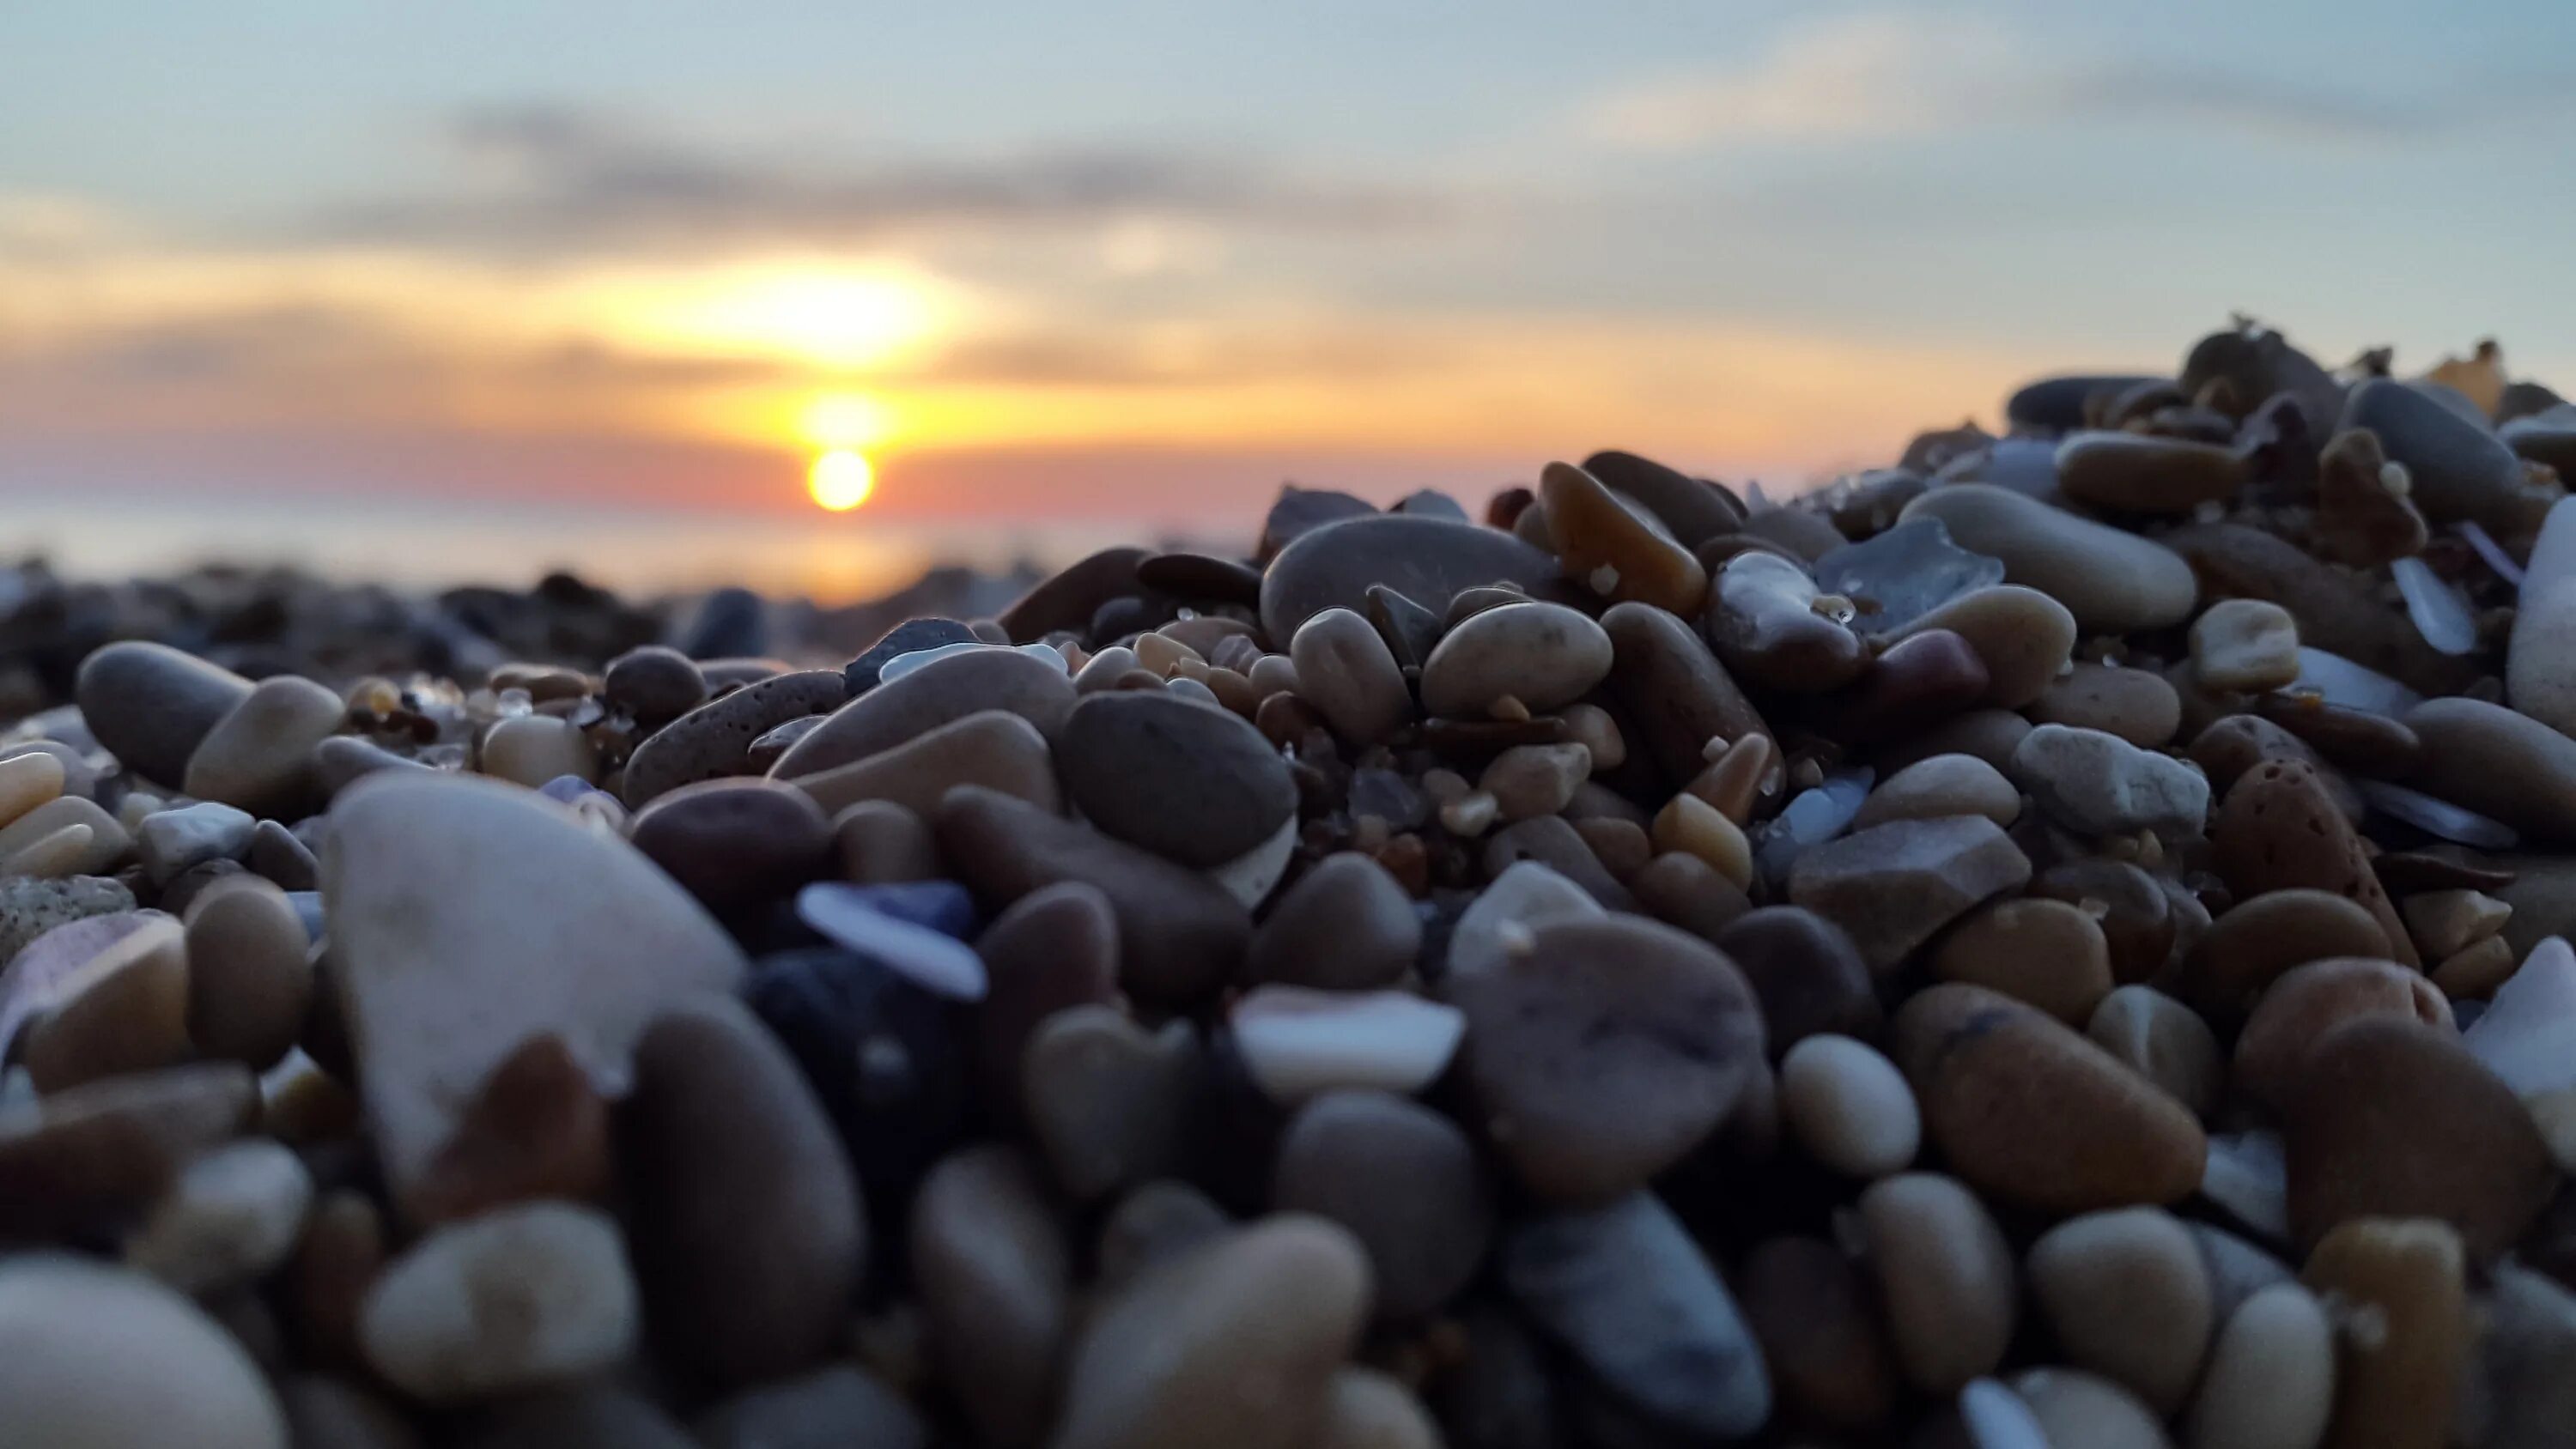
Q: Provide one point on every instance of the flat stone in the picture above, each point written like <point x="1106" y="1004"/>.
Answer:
<point x="1179" y="934"/>
<point x="92" y="1355"/>
<point x="467" y="916"/>
<point x="1297" y="512"/>
<point x="2101" y="784"/>
<point x="2032" y="1114"/>
<point x="995" y="749"/>
<point x="2146" y="473"/>
<point x="749" y="1228"/>
<point x="1624" y="1289"/>
<point x="1194" y="785"/>
<point x="517" y="1298"/>
<point x="2498" y="762"/>
<point x="1892" y="886"/>
<point x="2112" y="582"/>
<point x="1602" y="1051"/>
<point x="1421" y="558"/>
<point x="151" y="705"/>
<point x="935" y="694"/>
<point x="1403" y="1179"/>
<point x="2135" y="705"/>
<point x="713" y="739"/>
<point x="1232" y="1342"/>
<point x="1296" y="1042"/>
<point x="1942" y="785"/>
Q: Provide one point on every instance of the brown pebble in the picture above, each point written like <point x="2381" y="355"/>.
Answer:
<point x="734" y="843"/>
<point x="2278" y="828"/>
<point x="1820" y="1333"/>
<point x="881" y="843"/>
<point x="2253" y="945"/>
<point x="335" y="1263"/>
<point x="537" y="1128"/>
<point x="1893" y="886"/>
<point x="2135" y="915"/>
<point x="125" y="1011"/>
<point x="2133" y="704"/>
<point x="1683" y="890"/>
<point x="2475" y="971"/>
<point x="2047" y="953"/>
<point x="249" y="980"/>
<point x="2035" y="1115"/>
<point x="2389" y="1117"/>
<point x="1345" y="925"/>
<point x="2304" y="1003"/>
<point x="1807" y="974"/>
<point x="1945" y="1278"/>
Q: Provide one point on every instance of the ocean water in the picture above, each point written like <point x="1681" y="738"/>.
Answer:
<point x="425" y="544"/>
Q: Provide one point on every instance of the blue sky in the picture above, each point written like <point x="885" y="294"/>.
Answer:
<point x="1373" y="242"/>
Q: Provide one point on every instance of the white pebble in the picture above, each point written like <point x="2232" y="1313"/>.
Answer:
<point x="522" y="1296"/>
<point x="1849" y="1107"/>
<point x="1297" y="1042"/>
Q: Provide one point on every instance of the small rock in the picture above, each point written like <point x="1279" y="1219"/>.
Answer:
<point x="124" y="1010"/>
<point x="1544" y="655"/>
<point x="151" y="705"/>
<point x="1421" y="558"/>
<point x="1108" y="1101"/>
<point x="1667" y="681"/>
<point x="231" y="1219"/>
<point x="734" y="843"/>
<point x="2047" y="953"/>
<point x="1403" y="1179"/>
<point x="1346" y="925"/>
<point x="1068" y="599"/>
<point x="2100" y="784"/>
<point x="2403" y="1353"/>
<point x="517" y="1298"/>
<point x="1346" y="673"/>
<point x="2261" y="940"/>
<point x="2278" y="828"/>
<point x="2307" y="1002"/>
<point x="1892" y="886"/>
<point x="1624" y="1289"/>
<point x="1235" y="1342"/>
<point x="2145" y="473"/>
<point x="1849" y="1107"/>
<point x="2135" y="705"/>
<point x="2247" y="645"/>
<point x="994" y="749"/>
<point x="2500" y="763"/>
<point x="250" y="983"/>
<point x="2070" y="1406"/>
<point x="1764" y="622"/>
<point x="839" y="1407"/>
<point x="536" y="1128"/>
<point x="2270" y="1383"/>
<point x="106" y="1149"/>
<point x="2021" y="635"/>
<point x="278" y="855"/>
<point x="1941" y="785"/>
<point x="2113" y="582"/>
<point x="653" y="683"/>
<point x="1805" y="972"/>
<point x="1054" y="948"/>
<point x="1945" y="1278"/>
<point x="2163" y="1041"/>
<point x="1821" y="1333"/>
<point x="2127" y="1296"/>
<point x="170" y="841"/>
<point x="712" y="739"/>
<point x="1194" y="785"/>
<point x="996" y="1281"/>
<point x="1617" y="553"/>
<point x="2444" y="923"/>
<point x="533" y="749"/>
<point x="257" y="757"/>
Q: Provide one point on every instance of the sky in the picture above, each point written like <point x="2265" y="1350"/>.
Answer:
<point x="1131" y="261"/>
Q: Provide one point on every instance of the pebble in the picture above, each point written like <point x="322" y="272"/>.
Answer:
<point x="2520" y="1378"/>
<point x="734" y="843"/>
<point x="278" y="855"/>
<point x="2163" y="1041"/>
<point x="886" y="1060"/>
<point x="1624" y="1289"/>
<point x="1153" y="1222"/>
<point x="1945" y="1278"/>
<point x="257" y="756"/>
<point x="1988" y="735"/>
<point x="1107" y="1100"/>
<point x="2138" y="920"/>
<point x="2305" y="1003"/>
<point x="2136" y="705"/>
<point x="2500" y="763"/>
<point x="536" y="1128"/>
<point x="1603" y="1051"/>
<point x="232" y="1218"/>
<point x="1666" y="680"/>
<point x="1054" y="948"/>
<point x="1296" y="1042"/>
<point x="1616" y="552"/>
<point x="1345" y="672"/>
<point x="151" y="705"/>
<point x="1810" y="536"/>
<point x="2021" y="635"/>
<point x="2101" y="784"/>
<point x="1233" y="1342"/>
<point x="1370" y="1410"/>
<point x="98" y="1356"/>
<point x="109" y="1148"/>
<point x="1421" y="558"/>
<point x="124" y="1009"/>
<point x="1849" y="1107"/>
<point x="1179" y="933"/>
<point x="2444" y="923"/>
<point x="1532" y="780"/>
<point x="878" y="842"/>
<point x="1543" y="655"/>
<point x="830" y="1408"/>
<point x="1194" y="785"/>
<point x="653" y="683"/>
<point x="1765" y="624"/>
<point x="1821" y="1333"/>
<point x="27" y="781"/>
<point x="2257" y="942"/>
<point x="2046" y="953"/>
<point x="2127" y="1296"/>
<point x="1406" y="1183"/>
<point x="329" y="1413"/>
<point x="2391" y="1118"/>
<point x="2270" y="1381"/>
<point x="1806" y="973"/>
<point x="1951" y="784"/>
<point x="713" y="738"/>
<point x="1068" y="599"/>
<point x="2335" y="613"/>
<point x="1927" y="675"/>
<point x="1496" y="924"/>
<point x="1893" y="886"/>
<point x="996" y="1277"/>
<point x="56" y="963"/>
<point x="170" y="841"/>
<point x="2027" y="1110"/>
<point x="1692" y="510"/>
<point x="2457" y="469"/>
<point x="2112" y="582"/>
<point x="2145" y="473"/>
<point x="467" y="916"/>
<point x="2278" y="828"/>
<point x="2402" y="1348"/>
<point x="517" y="1298"/>
<point x="1691" y="826"/>
<point x="535" y="748"/>
<point x="994" y="749"/>
<point x="866" y="921"/>
<point x="250" y="984"/>
<point x="1345" y="925"/>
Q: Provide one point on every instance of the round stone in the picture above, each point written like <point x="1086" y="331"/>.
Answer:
<point x="2305" y="1003"/>
<point x="151" y="705"/>
<point x="519" y="1297"/>
<point x="1195" y="785"/>
<point x="1849" y="1107"/>
<point x="1806" y="973"/>
<point x="2135" y="705"/>
<point x="2044" y="952"/>
<point x="1345" y="925"/>
<point x="250" y="979"/>
<point x="231" y="1219"/>
<point x="653" y="683"/>
<point x="995" y="1276"/>
<point x="532" y="749"/>
<point x="2271" y="1376"/>
<point x="1945" y="1278"/>
<point x="1345" y="671"/>
<point x="735" y="843"/>
<point x="1422" y="558"/>
<point x="1403" y="1179"/>
<point x="1543" y="655"/>
<point x="1941" y="785"/>
<point x="258" y="756"/>
<point x="2127" y="1296"/>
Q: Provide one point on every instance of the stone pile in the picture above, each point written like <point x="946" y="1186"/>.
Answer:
<point x="2057" y="942"/>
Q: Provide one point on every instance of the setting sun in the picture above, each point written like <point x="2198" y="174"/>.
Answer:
<point x="841" y="480"/>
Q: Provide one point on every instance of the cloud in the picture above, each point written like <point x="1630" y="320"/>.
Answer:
<point x="1880" y="74"/>
<point x="545" y="179"/>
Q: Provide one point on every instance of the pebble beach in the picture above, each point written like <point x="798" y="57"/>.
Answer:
<point x="2057" y="942"/>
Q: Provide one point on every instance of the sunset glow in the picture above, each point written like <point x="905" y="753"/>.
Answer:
<point x="841" y="480"/>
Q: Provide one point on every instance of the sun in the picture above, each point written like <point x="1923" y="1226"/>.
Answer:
<point x="840" y="480"/>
